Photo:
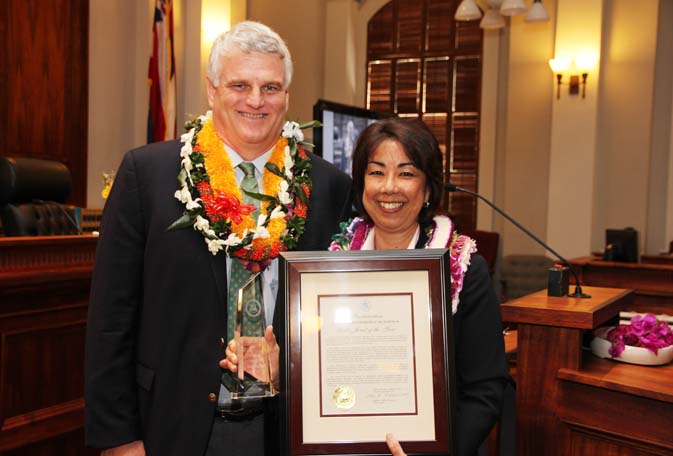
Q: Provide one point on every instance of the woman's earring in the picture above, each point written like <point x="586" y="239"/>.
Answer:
<point x="426" y="204"/>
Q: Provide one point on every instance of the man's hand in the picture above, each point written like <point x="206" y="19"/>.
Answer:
<point x="251" y="354"/>
<point x="136" y="448"/>
<point x="394" y="446"/>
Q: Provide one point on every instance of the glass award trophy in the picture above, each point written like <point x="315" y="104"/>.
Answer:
<point x="253" y="377"/>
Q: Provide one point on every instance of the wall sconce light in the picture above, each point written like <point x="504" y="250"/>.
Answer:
<point x="559" y="65"/>
<point x="581" y="64"/>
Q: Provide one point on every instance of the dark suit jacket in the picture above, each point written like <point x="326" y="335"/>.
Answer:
<point x="481" y="368"/>
<point x="158" y="307"/>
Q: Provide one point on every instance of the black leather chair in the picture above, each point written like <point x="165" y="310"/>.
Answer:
<point x="32" y="193"/>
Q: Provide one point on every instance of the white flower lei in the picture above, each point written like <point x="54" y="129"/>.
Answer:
<point x="279" y="206"/>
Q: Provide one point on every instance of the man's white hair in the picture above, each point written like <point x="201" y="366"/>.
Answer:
<point x="248" y="36"/>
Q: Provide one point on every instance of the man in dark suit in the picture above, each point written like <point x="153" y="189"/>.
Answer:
<point x="158" y="310"/>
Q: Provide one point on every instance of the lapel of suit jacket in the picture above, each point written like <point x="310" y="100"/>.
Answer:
<point x="218" y="266"/>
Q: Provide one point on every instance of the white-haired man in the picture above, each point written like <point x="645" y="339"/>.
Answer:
<point x="158" y="308"/>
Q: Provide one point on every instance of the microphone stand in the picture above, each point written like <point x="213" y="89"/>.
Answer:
<point x="578" y="289"/>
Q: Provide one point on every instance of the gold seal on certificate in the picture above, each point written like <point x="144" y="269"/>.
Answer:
<point x="344" y="397"/>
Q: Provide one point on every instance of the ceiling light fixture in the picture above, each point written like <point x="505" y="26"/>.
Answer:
<point x="470" y="10"/>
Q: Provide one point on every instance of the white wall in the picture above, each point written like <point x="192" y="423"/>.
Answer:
<point x="573" y="136"/>
<point x="524" y="160"/>
<point x="301" y="24"/>
<point x="492" y="124"/>
<point x="631" y="125"/>
<point x="340" y="34"/>
<point x="119" y="47"/>
<point x="659" y="230"/>
<point x="361" y="14"/>
<point x="624" y="140"/>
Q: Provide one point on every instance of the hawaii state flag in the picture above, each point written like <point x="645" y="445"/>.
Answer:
<point x="161" y="121"/>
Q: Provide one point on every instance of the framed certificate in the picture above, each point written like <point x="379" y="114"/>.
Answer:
<point x="366" y="349"/>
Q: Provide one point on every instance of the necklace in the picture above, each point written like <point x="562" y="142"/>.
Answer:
<point x="213" y="199"/>
<point x="441" y="234"/>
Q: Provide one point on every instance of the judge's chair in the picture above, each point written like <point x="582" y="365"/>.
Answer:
<point x="32" y="193"/>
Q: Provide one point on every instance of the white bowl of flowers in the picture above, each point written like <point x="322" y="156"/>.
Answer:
<point x="645" y="340"/>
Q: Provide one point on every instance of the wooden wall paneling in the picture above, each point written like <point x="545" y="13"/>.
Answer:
<point x="25" y="260"/>
<point x="467" y="35"/>
<point x="436" y="122"/>
<point x="591" y="443"/>
<point x="407" y="86"/>
<point x="570" y="402"/>
<point x="42" y="426"/>
<point x="465" y="143"/>
<point x="461" y="206"/>
<point x="464" y="164"/>
<point x="656" y="259"/>
<point x="381" y="31"/>
<point x="467" y="84"/>
<point x="410" y="26"/>
<point x="542" y="351"/>
<point x="445" y="85"/>
<point x="4" y="76"/>
<point x="639" y="276"/>
<point x="437" y="86"/>
<point x="44" y="290"/>
<point x="41" y="362"/>
<point x="439" y="37"/>
<point x="652" y="283"/>
<point x="628" y="424"/>
<point x="77" y="96"/>
<point x="46" y="362"/>
<point x="44" y="65"/>
<point x="66" y="443"/>
<point x="379" y="82"/>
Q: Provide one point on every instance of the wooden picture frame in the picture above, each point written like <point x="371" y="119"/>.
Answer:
<point x="366" y="349"/>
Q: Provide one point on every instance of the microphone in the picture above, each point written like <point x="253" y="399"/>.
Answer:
<point x="578" y="289"/>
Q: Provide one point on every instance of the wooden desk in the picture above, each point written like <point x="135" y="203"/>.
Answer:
<point x="657" y="259"/>
<point x="550" y="331"/>
<point x="44" y="293"/>
<point x="612" y="408"/>
<point x="652" y="283"/>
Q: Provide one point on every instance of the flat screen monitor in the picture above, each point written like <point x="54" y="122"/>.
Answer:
<point x="621" y="245"/>
<point x="341" y="126"/>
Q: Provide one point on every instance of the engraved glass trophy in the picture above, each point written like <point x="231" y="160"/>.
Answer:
<point x="253" y="377"/>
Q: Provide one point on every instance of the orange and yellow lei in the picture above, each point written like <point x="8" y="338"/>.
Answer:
<point x="218" y="212"/>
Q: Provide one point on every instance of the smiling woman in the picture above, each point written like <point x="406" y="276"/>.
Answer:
<point x="395" y="190"/>
<point x="398" y="184"/>
<point x="412" y="150"/>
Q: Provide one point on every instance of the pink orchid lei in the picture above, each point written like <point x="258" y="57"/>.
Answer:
<point x="643" y="331"/>
<point x="440" y="235"/>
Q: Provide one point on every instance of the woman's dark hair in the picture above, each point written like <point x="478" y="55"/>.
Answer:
<point x="420" y="145"/>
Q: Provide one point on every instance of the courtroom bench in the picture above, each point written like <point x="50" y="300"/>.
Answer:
<point x="44" y="293"/>
<point x="652" y="283"/>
